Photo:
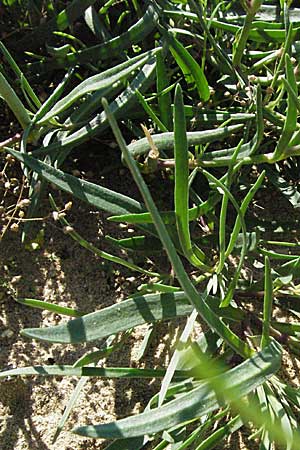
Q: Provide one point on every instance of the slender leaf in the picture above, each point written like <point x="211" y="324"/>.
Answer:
<point x="181" y="190"/>
<point x="57" y="309"/>
<point x="87" y="371"/>
<point x="238" y="382"/>
<point x="123" y="316"/>
<point x="268" y="303"/>
<point x="190" y="68"/>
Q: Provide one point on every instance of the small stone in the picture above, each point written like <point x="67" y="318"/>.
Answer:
<point x="7" y="333"/>
<point x="16" y="279"/>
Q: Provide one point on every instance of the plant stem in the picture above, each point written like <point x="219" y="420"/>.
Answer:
<point x="14" y="102"/>
<point x="242" y="40"/>
<point x="267" y="158"/>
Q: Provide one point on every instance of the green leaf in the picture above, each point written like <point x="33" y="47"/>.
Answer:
<point x="290" y="124"/>
<point x="189" y="67"/>
<point x="120" y="106"/>
<point x="268" y="304"/>
<point x="123" y="316"/>
<point x="14" y="102"/>
<point x="87" y="371"/>
<point x="181" y="189"/>
<point x="99" y="82"/>
<point x="57" y="309"/>
<point x="164" y="99"/>
<point x="238" y="382"/>
<point x="221" y="433"/>
<point x="176" y="356"/>
<point x="169" y="217"/>
<point x="103" y="198"/>
<point x="166" y="141"/>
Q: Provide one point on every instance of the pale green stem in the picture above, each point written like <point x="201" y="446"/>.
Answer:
<point x="14" y="102"/>
<point x="242" y="40"/>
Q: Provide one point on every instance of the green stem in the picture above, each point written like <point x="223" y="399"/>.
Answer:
<point x="14" y="102"/>
<point x="267" y="158"/>
<point x="242" y="40"/>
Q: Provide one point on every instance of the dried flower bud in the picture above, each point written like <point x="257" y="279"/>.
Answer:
<point x="252" y="78"/>
<point x="68" y="206"/>
<point x="24" y="203"/>
<point x="10" y="159"/>
<point x="7" y="184"/>
<point x="16" y="279"/>
<point x="68" y="229"/>
<point x="55" y="215"/>
<point x="14" y="227"/>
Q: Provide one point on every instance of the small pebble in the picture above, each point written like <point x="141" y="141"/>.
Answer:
<point x="7" y="333"/>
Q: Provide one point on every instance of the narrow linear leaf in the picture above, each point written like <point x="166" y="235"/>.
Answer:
<point x="189" y="67"/>
<point x="123" y="316"/>
<point x="166" y="141"/>
<point x="181" y="189"/>
<point x="164" y="99"/>
<point x="168" y="217"/>
<point x="290" y="124"/>
<point x="96" y="195"/>
<point x="99" y="82"/>
<point x="176" y="356"/>
<point x="238" y="382"/>
<point x="268" y="304"/>
<point x="220" y="434"/>
<point x="88" y="371"/>
<point x="120" y="106"/>
<point x="57" y="309"/>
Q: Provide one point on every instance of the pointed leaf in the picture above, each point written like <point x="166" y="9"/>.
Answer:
<point x="238" y="382"/>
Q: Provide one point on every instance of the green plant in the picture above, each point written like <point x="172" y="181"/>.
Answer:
<point x="260" y="82"/>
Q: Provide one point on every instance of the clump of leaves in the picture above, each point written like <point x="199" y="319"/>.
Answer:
<point x="250" y="101"/>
